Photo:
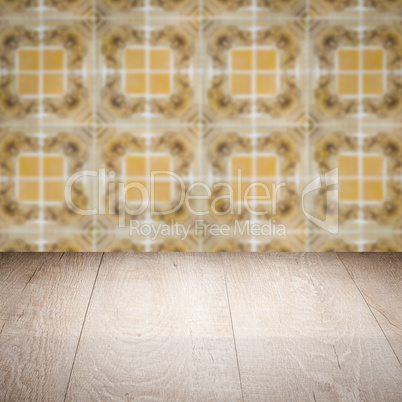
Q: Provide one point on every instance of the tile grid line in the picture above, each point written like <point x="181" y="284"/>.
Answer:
<point x="108" y="70"/>
<point x="254" y="109"/>
<point x="261" y="126"/>
<point x="177" y="18"/>
<point x="307" y="117"/>
<point x="111" y="231"/>
<point x="94" y="120"/>
<point x="41" y="140"/>
<point x="200" y="56"/>
<point x="359" y="122"/>
<point x="221" y="178"/>
<point x="148" y="100"/>
<point x="278" y="73"/>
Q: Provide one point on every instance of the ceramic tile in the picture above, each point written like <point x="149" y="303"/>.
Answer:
<point x="147" y="74"/>
<point x="369" y="176"/>
<point x="46" y="72"/>
<point x="355" y="74"/>
<point x="254" y="72"/>
<point x="245" y="125"/>
<point x="35" y="167"/>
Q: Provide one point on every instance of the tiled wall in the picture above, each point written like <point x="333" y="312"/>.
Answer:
<point x="284" y="90"/>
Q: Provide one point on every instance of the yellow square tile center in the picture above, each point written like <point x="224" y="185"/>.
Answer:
<point x="148" y="71"/>
<point x="360" y="70"/>
<point x="253" y="71"/>
<point x="368" y="170"/>
<point x="41" y="178"/>
<point x="36" y="66"/>
<point x="254" y="170"/>
<point x="138" y="169"/>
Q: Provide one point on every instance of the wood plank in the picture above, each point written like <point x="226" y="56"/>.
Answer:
<point x="40" y="336"/>
<point x="379" y="278"/>
<point x="16" y="269"/>
<point x="304" y="332"/>
<point x="158" y="328"/>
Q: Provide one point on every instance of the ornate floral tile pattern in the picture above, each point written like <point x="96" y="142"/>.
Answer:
<point x="282" y="91"/>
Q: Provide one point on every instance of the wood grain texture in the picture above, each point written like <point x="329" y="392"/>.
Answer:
<point x="158" y="328"/>
<point x="43" y="308"/>
<point x="161" y="326"/>
<point x="16" y="269"/>
<point x="379" y="278"/>
<point x="304" y="332"/>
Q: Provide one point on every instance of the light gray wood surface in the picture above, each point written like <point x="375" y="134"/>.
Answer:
<point x="158" y="328"/>
<point x="200" y="327"/>
<point x="379" y="279"/>
<point x="304" y="332"/>
<point x="43" y="304"/>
